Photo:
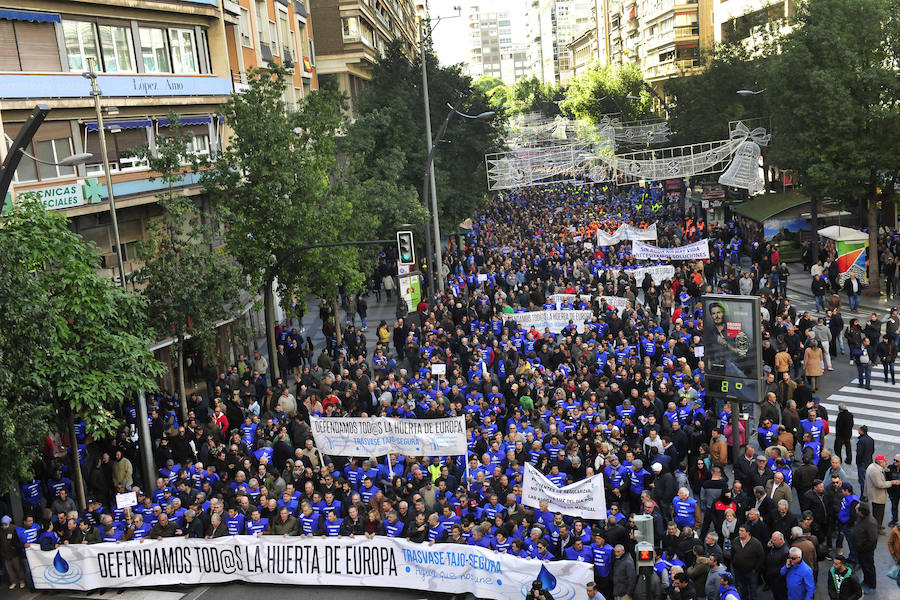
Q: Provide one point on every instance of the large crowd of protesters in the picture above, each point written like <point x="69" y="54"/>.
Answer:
<point x="621" y="394"/>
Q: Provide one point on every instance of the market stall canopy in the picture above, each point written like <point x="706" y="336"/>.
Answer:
<point x="766" y="206"/>
<point x="843" y="234"/>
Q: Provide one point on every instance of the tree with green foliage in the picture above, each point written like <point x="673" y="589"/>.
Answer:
<point x="529" y="95"/>
<point x="833" y="91"/>
<point x="497" y="92"/>
<point x="388" y="135"/>
<point x="705" y="103"/>
<point x="71" y="342"/>
<point x="190" y="284"/>
<point x="604" y="89"/>
<point x="277" y="189"/>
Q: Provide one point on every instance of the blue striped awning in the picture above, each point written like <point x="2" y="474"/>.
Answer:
<point x="132" y="124"/>
<point x="186" y="121"/>
<point x="28" y="15"/>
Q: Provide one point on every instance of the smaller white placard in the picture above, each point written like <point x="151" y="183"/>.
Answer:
<point x="126" y="500"/>
<point x="439" y="369"/>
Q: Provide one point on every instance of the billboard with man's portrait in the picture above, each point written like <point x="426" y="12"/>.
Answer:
<point x="731" y="332"/>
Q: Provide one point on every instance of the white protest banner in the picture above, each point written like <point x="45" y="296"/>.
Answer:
<point x="439" y="369"/>
<point x="556" y="320"/>
<point x="616" y="302"/>
<point x="377" y="436"/>
<point x="585" y="498"/>
<point x="126" y="500"/>
<point x="690" y="252"/>
<point x="626" y="232"/>
<point x="379" y="562"/>
<point x="558" y="299"/>
<point x="658" y="273"/>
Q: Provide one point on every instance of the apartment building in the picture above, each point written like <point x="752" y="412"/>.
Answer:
<point x="561" y="22"/>
<point x="493" y="49"/>
<point x="350" y="35"/>
<point x="258" y="32"/>
<point x="747" y="20"/>
<point x="152" y="56"/>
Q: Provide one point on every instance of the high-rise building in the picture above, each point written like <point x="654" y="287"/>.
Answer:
<point x="493" y="51"/>
<point x="534" y="40"/>
<point x="561" y="22"/>
<point x="350" y="35"/>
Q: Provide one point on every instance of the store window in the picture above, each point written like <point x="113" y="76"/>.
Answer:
<point x="52" y="143"/>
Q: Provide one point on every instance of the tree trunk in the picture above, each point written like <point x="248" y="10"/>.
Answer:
<point x="337" y="322"/>
<point x="76" y="464"/>
<point x="269" y="299"/>
<point x="181" y="393"/>
<point x="814" y="222"/>
<point x="874" y="288"/>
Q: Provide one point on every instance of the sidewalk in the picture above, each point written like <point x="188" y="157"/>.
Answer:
<point x="799" y="285"/>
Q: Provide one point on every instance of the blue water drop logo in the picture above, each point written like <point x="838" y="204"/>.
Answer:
<point x="60" y="564"/>
<point x="547" y="579"/>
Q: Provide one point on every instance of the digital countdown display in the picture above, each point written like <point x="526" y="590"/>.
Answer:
<point x="733" y="388"/>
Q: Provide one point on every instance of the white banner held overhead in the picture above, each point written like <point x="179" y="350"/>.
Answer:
<point x="377" y="436"/>
<point x="585" y="498"/>
<point x="626" y="232"/>
<point x="555" y="320"/>
<point x="379" y="562"/>
<point x="693" y="251"/>
<point x="616" y="302"/>
<point x="658" y="273"/>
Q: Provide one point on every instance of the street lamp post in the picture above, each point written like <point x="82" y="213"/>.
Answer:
<point x="143" y="420"/>
<point x="429" y="170"/>
<point x="96" y="93"/>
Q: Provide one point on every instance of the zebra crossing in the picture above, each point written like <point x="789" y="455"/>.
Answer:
<point x="878" y="408"/>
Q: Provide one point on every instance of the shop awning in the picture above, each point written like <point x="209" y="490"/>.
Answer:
<point x="129" y="124"/>
<point x="186" y="121"/>
<point x="766" y="206"/>
<point x="28" y="15"/>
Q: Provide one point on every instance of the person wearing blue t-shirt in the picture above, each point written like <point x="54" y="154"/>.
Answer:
<point x="234" y="521"/>
<point x="578" y="552"/>
<point x="256" y="525"/>
<point x="139" y="529"/>
<point x="332" y="525"/>
<point x="393" y="526"/>
<point x="28" y="533"/>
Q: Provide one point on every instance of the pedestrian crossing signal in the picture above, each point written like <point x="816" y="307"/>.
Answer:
<point x="406" y="253"/>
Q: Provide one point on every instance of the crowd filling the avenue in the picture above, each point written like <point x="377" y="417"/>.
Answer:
<point x="621" y="393"/>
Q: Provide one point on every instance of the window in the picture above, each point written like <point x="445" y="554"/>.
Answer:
<point x="246" y="28"/>
<point x="115" y="43"/>
<point x="81" y="44"/>
<point x="184" y="51"/>
<point x="154" y="50"/>
<point x="51" y="151"/>
<point x="130" y="250"/>
<point x="200" y="145"/>
<point x="273" y="36"/>
<point x="287" y="37"/>
<point x="26" y="46"/>
<point x="119" y="146"/>
<point x="350" y="27"/>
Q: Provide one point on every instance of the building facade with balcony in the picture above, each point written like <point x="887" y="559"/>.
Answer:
<point x="747" y="21"/>
<point x="493" y="51"/>
<point x="351" y="34"/>
<point x="152" y="57"/>
<point x="258" y="32"/>
<point x="662" y="37"/>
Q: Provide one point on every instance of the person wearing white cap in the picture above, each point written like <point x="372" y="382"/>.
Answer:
<point x="9" y="552"/>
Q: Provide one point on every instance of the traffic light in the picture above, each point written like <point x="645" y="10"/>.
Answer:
<point x="645" y="555"/>
<point x="406" y="253"/>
